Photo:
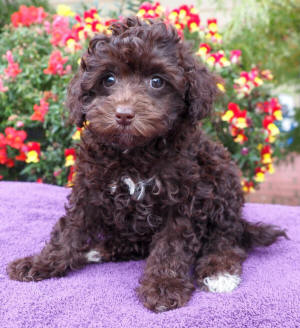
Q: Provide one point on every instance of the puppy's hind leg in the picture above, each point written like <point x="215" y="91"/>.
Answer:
<point x="65" y="251"/>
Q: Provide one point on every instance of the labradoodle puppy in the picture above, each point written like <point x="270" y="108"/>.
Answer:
<point x="149" y="184"/>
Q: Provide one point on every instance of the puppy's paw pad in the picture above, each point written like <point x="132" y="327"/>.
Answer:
<point x="222" y="282"/>
<point x="93" y="256"/>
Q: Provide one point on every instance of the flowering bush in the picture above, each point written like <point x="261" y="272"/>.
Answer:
<point x="39" y="53"/>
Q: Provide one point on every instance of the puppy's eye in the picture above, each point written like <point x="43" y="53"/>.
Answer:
<point x="156" y="82"/>
<point x="109" y="80"/>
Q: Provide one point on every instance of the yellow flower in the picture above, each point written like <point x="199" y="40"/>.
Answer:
<point x="173" y="15"/>
<point x="218" y="37"/>
<point x="76" y="135"/>
<point x="267" y="159"/>
<point x="81" y="34"/>
<point x="241" y="81"/>
<point x="71" y="43"/>
<point x="274" y="131"/>
<point x="213" y="27"/>
<point x="210" y="60"/>
<point x="224" y="61"/>
<point x="32" y="157"/>
<point x="64" y="10"/>
<point x="239" y="139"/>
<point x="70" y="160"/>
<point x="241" y="123"/>
<point x="278" y="115"/>
<point x="247" y="187"/>
<point x="258" y="81"/>
<point x="259" y="147"/>
<point x="100" y="27"/>
<point x="141" y="12"/>
<point x="194" y="27"/>
<point x="227" y="116"/>
<point x="271" y="139"/>
<point x="259" y="177"/>
<point x="159" y="9"/>
<point x="221" y="87"/>
<point x="182" y="14"/>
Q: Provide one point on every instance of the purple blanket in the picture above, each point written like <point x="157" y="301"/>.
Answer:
<point x="102" y="295"/>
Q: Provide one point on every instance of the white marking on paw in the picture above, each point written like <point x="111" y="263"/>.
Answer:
<point x="222" y="283"/>
<point x="161" y="308"/>
<point x="93" y="256"/>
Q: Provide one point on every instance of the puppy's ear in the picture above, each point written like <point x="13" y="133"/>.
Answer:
<point x="201" y="89"/>
<point x="74" y="98"/>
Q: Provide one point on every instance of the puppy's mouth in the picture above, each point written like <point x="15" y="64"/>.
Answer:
<point x="126" y="136"/>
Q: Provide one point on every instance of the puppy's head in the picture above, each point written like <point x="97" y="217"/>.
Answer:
<point x="138" y="83"/>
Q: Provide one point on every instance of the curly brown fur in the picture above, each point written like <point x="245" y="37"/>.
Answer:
<point x="153" y="186"/>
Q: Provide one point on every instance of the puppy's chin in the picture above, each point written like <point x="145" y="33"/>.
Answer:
<point x="124" y="139"/>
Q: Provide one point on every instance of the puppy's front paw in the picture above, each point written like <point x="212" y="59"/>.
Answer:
<point x="163" y="294"/>
<point x="20" y="269"/>
<point x="222" y="282"/>
<point x="29" y="269"/>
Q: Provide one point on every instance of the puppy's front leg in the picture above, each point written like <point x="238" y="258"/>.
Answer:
<point x="166" y="283"/>
<point x="63" y="252"/>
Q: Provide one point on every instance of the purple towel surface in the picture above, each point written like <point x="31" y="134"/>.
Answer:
<point x="102" y="295"/>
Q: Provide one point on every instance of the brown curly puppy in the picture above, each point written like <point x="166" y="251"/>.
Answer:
<point x="149" y="184"/>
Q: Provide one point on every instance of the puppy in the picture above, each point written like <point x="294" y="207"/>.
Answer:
<point x="149" y="184"/>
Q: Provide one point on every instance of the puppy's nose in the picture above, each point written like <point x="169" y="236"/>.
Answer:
<point x="124" y="115"/>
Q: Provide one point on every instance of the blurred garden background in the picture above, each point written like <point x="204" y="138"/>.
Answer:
<point x="253" y="45"/>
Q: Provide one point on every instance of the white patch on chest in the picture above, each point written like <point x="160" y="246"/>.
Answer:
<point x="136" y="189"/>
<point x="222" y="283"/>
<point x="93" y="256"/>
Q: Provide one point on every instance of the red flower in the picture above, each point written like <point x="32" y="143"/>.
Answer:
<point x="28" y="15"/>
<point x="204" y="49"/>
<point x="218" y="59"/>
<point x="149" y="10"/>
<point x="2" y="140"/>
<point x="32" y="150"/>
<point x="266" y="154"/>
<point x="90" y="13"/>
<point x="238" y="135"/>
<point x="235" y="116"/>
<point x="10" y="163"/>
<point x="193" y="22"/>
<point x="248" y="186"/>
<point x="271" y="107"/>
<point x="211" y="21"/>
<point x="259" y="174"/>
<point x="70" y="156"/>
<point x="235" y="56"/>
<point x="13" y="68"/>
<point x="56" y="64"/>
<point x="71" y="177"/>
<point x="21" y="157"/>
<point x="3" y="155"/>
<point x="40" y="111"/>
<point x="14" y="138"/>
